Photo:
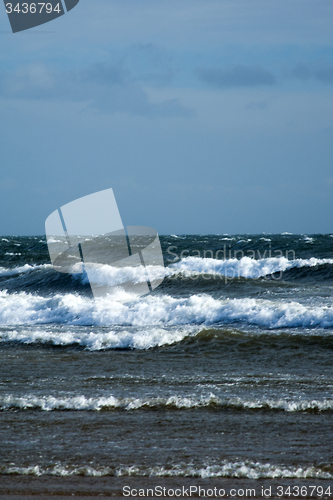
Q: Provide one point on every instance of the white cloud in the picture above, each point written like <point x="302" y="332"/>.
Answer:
<point x="236" y="76"/>
<point x="108" y="88"/>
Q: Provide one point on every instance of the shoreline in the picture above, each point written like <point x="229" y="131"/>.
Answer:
<point x="88" y="488"/>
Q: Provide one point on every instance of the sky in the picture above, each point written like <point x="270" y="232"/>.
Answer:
<point x="204" y="116"/>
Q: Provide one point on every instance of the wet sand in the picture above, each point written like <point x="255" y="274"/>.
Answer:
<point x="56" y="488"/>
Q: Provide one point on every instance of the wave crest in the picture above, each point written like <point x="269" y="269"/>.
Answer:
<point x="158" y="310"/>
<point x="176" y="402"/>
<point x="228" y="469"/>
<point x="245" y="267"/>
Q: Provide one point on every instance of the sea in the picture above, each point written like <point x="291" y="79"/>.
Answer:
<point x="219" y="379"/>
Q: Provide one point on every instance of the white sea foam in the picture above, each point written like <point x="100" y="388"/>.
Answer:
<point x="158" y="311"/>
<point x="27" y="268"/>
<point x="106" y="275"/>
<point x="245" y="267"/>
<point x="143" y="338"/>
<point x="83" y="403"/>
<point x="49" y="403"/>
<point x="101" y="274"/>
<point x="226" y="468"/>
<point x="246" y="469"/>
<point x="52" y="240"/>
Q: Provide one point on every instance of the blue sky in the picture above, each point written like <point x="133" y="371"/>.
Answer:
<point x="210" y="116"/>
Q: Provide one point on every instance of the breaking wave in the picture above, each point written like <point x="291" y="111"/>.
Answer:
<point x="27" y="268"/>
<point x="228" y="469"/>
<point x="246" y="267"/>
<point x="115" y="339"/>
<point x="158" y="310"/>
<point x="83" y="403"/>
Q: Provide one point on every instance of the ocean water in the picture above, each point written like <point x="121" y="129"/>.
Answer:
<point x="223" y="374"/>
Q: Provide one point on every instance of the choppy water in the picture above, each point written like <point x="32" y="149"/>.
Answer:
<point x="225" y="371"/>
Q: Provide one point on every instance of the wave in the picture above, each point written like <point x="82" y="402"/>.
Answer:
<point x="143" y="338"/>
<point x="27" y="268"/>
<point x="245" y="267"/>
<point x="157" y="310"/>
<point x="226" y="468"/>
<point x="176" y="402"/>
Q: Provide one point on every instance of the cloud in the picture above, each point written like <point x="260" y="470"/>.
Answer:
<point x="106" y="74"/>
<point x="256" y="105"/>
<point x="236" y="76"/>
<point x="325" y="75"/>
<point x="306" y="72"/>
<point x="301" y="72"/>
<point x="150" y="64"/>
<point x="157" y="79"/>
<point x="108" y="88"/>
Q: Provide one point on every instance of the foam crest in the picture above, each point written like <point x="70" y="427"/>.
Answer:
<point x="143" y="338"/>
<point x="176" y="402"/>
<point x="226" y="468"/>
<point x="27" y="268"/>
<point x="245" y="267"/>
<point x="157" y="310"/>
<point x="238" y="469"/>
<point x="50" y="403"/>
<point x="256" y="470"/>
<point x="106" y="275"/>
